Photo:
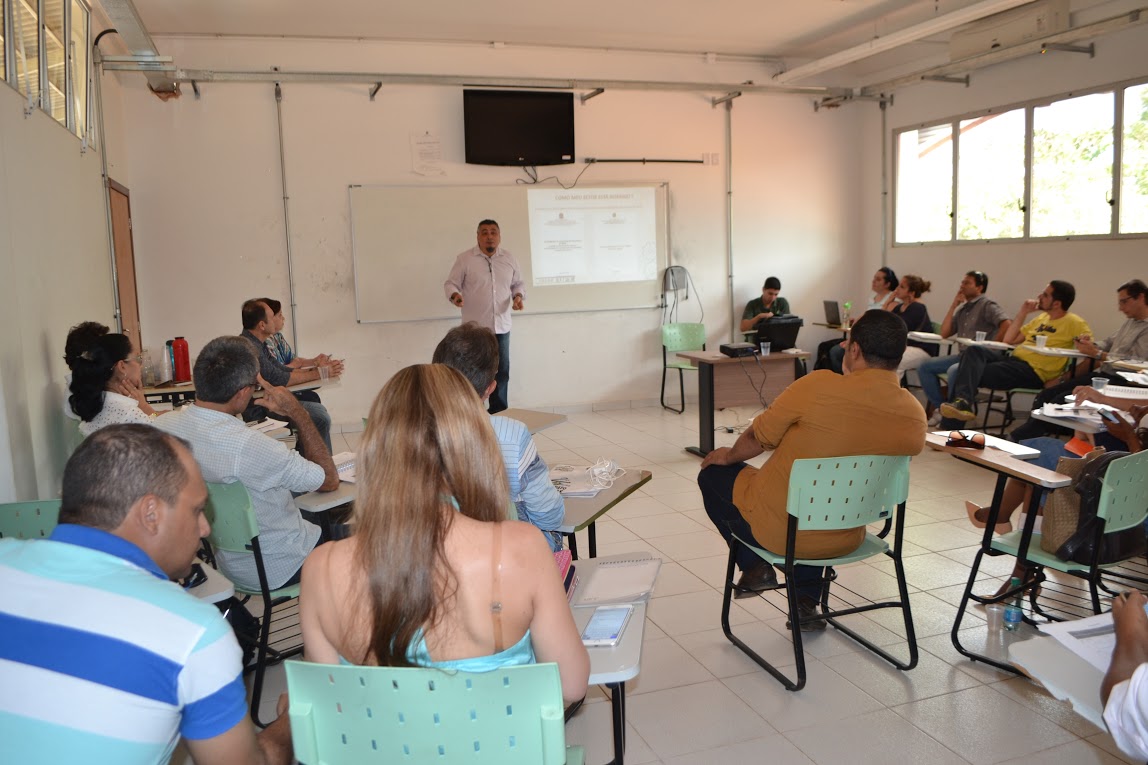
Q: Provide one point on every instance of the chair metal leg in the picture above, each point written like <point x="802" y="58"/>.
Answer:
<point x="681" y="384"/>
<point x="261" y="663"/>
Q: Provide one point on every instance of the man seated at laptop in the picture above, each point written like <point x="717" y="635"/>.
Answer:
<point x="762" y="309"/>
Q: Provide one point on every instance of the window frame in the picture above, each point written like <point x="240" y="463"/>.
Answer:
<point x="1116" y="88"/>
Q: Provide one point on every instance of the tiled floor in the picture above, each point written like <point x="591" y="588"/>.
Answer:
<point x="698" y="700"/>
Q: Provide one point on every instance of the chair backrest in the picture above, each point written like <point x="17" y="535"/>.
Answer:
<point x="345" y="714"/>
<point x="232" y="517"/>
<point x="683" y="337"/>
<point x="846" y="492"/>
<point x="29" y="520"/>
<point x="1124" y="496"/>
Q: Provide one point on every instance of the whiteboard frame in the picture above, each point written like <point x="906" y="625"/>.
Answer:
<point x="660" y="304"/>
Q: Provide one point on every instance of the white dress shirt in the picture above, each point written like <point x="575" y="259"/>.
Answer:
<point x="1127" y="714"/>
<point x="487" y="286"/>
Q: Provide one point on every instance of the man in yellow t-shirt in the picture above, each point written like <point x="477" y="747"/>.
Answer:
<point x="820" y="415"/>
<point x="1025" y="368"/>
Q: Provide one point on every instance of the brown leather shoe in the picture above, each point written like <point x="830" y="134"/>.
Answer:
<point x="807" y="607"/>
<point x="758" y="579"/>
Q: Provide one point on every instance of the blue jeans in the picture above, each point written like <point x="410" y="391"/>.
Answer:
<point x="499" y="399"/>
<point x="716" y="483"/>
<point x="322" y="419"/>
<point x="928" y="373"/>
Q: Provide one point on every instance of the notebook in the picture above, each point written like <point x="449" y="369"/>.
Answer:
<point x="345" y="464"/>
<point x="623" y="578"/>
<point x="832" y="312"/>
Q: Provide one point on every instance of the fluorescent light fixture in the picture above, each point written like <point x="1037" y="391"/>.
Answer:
<point x="900" y="37"/>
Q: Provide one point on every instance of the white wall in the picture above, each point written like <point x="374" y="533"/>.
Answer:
<point x="207" y="204"/>
<point x="54" y="273"/>
<point x="1020" y="269"/>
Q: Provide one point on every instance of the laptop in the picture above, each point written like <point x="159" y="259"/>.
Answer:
<point x="833" y="313"/>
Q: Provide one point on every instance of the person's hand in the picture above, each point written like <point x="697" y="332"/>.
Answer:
<point x="1030" y="305"/>
<point x="279" y="400"/>
<point x="321" y="359"/>
<point x="1128" y="616"/>
<point x="1082" y="393"/>
<point x="336" y="367"/>
<point x="1085" y="345"/>
<point x="960" y="298"/>
<point x="719" y="456"/>
<point x="456" y="299"/>
<point x="1138" y="412"/>
<point x="516" y="304"/>
<point x="1123" y="430"/>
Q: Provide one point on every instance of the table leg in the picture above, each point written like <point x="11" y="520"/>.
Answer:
<point x="618" y="713"/>
<point x="705" y="411"/>
<point x="592" y="537"/>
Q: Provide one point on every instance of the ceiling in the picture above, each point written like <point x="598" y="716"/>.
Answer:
<point x="791" y="30"/>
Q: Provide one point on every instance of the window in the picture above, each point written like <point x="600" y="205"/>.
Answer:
<point x="78" y="68"/>
<point x="990" y="178"/>
<point x="26" y="47"/>
<point x="1134" y="162"/>
<point x="55" y="56"/>
<point x="925" y="184"/>
<point x="1041" y="170"/>
<point x="1072" y="154"/>
<point x="3" y="45"/>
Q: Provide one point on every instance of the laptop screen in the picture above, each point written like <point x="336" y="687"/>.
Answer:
<point x="832" y="312"/>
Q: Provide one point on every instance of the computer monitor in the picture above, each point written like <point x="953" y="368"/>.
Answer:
<point x="780" y="332"/>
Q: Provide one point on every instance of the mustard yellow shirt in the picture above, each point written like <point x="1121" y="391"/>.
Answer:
<point x="1060" y="333"/>
<point x="824" y="415"/>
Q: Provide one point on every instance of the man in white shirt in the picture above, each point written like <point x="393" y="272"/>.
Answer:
<point x="226" y="373"/>
<point x="1124" y="691"/>
<point x="486" y="284"/>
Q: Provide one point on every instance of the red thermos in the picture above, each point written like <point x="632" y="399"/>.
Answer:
<point x="182" y="363"/>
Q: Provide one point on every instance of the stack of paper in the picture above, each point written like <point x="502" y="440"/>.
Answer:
<point x="573" y="481"/>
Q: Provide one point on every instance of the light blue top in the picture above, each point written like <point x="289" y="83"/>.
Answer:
<point x="520" y="653"/>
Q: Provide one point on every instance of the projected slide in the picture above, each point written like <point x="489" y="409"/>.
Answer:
<point x="592" y="236"/>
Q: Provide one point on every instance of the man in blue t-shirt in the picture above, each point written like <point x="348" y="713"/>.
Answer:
<point x="102" y="657"/>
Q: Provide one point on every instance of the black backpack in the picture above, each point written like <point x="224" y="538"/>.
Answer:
<point x="1114" y="546"/>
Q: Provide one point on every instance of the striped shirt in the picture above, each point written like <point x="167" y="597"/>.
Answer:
<point x="228" y="451"/>
<point x="535" y="497"/>
<point x="102" y="659"/>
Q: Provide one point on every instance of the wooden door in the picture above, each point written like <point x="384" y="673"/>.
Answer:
<point x="125" y="263"/>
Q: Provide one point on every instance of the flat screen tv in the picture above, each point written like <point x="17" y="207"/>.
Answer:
<point x="518" y="127"/>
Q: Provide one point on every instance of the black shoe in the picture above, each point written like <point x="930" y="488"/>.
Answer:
<point x="573" y="708"/>
<point x="807" y="607"/>
<point x="760" y="578"/>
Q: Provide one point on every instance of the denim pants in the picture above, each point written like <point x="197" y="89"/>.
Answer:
<point x="928" y="374"/>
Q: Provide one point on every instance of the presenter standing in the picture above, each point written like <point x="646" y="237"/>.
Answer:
<point x="486" y="284"/>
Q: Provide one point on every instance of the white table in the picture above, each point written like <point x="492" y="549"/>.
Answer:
<point x="996" y="345"/>
<point x="321" y="501"/>
<point x="584" y="512"/>
<point x="215" y="589"/>
<point x="612" y="666"/>
<point x="533" y="419"/>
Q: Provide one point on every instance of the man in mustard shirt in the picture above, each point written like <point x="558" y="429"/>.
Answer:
<point x="1025" y="368"/>
<point x="823" y="414"/>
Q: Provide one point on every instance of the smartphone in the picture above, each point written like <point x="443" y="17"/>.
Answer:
<point x="606" y="625"/>
<point x="1108" y="416"/>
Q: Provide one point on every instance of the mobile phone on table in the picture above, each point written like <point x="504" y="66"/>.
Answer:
<point x="606" y="625"/>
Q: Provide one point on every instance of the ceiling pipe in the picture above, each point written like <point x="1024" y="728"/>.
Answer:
<point x="129" y="25"/>
<point x="897" y="39"/>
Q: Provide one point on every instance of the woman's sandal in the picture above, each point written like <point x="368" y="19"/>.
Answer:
<point x="1003" y="527"/>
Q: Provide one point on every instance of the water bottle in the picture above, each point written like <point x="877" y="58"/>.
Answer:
<point x="1013" y="614"/>
<point x="181" y="362"/>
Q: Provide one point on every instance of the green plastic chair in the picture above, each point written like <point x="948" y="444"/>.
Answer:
<point x="29" y="520"/>
<point x="1123" y="504"/>
<point x="347" y="715"/>
<point x="234" y="528"/>
<point x="836" y="493"/>
<point x="677" y="338"/>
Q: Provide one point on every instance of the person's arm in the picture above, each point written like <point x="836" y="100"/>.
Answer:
<point x="282" y="401"/>
<point x="1131" y="640"/>
<point x="948" y="325"/>
<point x="517" y="287"/>
<point x="745" y="448"/>
<point x="749" y="318"/>
<point x="1088" y="393"/>
<point x="552" y="630"/>
<point x="1126" y="431"/>
<point x="125" y="388"/>
<point x="1017" y="329"/>
<point x="1002" y="330"/>
<point x="456" y="280"/>
<point x="241" y="746"/>
<point x="890" y="302"/>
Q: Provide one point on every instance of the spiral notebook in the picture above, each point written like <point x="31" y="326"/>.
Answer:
<point x="622" y="578"/>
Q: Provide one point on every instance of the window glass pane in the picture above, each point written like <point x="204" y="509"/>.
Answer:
<point x="79" y="67"/>
<point x="990" y="182"/>
<point x="26" y="46"/>
<point x="55" y="55"/>
<point x="3" y="36"/>
<point x="1134" y="180"/>
<point x="1072" y="166"/>
<point x="924" y="184"/>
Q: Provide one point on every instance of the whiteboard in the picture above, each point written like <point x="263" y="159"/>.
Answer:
<point x="405" y="239"/>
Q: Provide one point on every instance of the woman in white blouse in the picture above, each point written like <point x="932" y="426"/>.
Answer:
<point x="106" y="385"/>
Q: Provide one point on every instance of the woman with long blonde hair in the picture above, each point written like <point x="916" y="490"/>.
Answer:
<point x="435" y="575"/>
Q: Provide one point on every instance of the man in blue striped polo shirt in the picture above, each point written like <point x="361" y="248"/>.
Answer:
<point x="102" y="657"/>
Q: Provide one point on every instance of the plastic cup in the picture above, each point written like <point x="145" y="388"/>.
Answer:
<point x="981" y="336"/>
<point x="1041" y="340"/>
<point x="765" y="348"/>
<point x="324" y="373"/>
<point x="1099" y="383"/>
<point x="994" y="615"/>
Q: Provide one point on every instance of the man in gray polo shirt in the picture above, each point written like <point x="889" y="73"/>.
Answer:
<point x="971" y="312"/>
<point x="1130" y="341"/>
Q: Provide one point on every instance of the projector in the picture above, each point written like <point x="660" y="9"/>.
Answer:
<point x="735" y="350"/>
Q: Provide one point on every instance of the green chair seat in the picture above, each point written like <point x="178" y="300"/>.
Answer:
<point x="1010" y="544"/>
<point x="872" y="545"/>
